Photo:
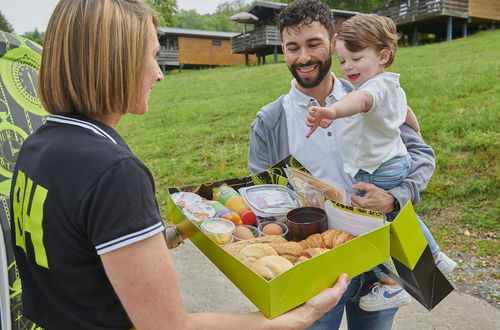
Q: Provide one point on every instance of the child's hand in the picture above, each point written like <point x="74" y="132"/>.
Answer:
<point x="319" y="116"/>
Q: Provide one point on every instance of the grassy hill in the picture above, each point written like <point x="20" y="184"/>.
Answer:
<point x="198" y="126"/>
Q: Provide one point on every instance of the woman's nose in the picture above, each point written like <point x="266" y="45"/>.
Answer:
<point x="160" y="74"/>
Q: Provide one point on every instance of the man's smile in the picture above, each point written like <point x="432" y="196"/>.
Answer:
<point x="307" y="69"/>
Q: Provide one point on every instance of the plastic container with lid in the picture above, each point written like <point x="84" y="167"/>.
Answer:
<point x="232" y="200"/>
<point x="271" y="200"/>
<point x="218" y="229"/>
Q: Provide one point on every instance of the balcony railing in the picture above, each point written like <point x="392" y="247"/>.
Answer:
<point x="415" y="10"/>
<point x="168" y="57"/>
<point x="268" y="35"/>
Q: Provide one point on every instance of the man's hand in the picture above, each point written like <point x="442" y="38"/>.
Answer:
<point x="375" y="198"/>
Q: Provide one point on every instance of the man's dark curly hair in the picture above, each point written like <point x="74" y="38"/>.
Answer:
<point x="305" y="12"/>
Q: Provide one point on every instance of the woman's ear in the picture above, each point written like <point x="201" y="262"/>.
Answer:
<point x="384" y="56"/>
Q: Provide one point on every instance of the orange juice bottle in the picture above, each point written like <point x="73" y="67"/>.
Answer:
<point x="221" y="211"/>
<point x="232" y="200"/>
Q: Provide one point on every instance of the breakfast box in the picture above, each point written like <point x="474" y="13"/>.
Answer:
<point x="402" y="240"/>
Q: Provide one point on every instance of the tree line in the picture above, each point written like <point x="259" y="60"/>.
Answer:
<point x="170" y="15"/>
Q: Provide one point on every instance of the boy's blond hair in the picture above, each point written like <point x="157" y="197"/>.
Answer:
<point x="93" y="56"/>
<point x="369" y="30"/>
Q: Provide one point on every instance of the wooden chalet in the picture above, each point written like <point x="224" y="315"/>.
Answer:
<point x="265" y="39"/>
<point x="190" y="48"/>
<point x="445" y="19"/>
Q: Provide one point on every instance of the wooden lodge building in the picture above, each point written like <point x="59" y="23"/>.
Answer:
<point x="189" y="48"/>
<point x="445" y="19"/>
<point x="265" y="39"/>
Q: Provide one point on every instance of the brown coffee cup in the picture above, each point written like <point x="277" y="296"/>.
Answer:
<point x="305" y="221"/>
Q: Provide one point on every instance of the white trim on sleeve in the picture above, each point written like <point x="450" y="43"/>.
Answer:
<point x="130" y="238"/>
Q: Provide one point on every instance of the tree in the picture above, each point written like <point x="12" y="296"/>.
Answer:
<point x="166" y="9"/>
<point x="230" y="8"/>
<point x="4" y="24"/>
<point x="219" y="21"/>
<point x="35" y="36"/>
<point x="190" y="19"/>
<point x="362" y="6"/>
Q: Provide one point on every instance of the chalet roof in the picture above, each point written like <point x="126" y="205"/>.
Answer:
<point x="267" y="10"/>
<point x="195" y="33"/>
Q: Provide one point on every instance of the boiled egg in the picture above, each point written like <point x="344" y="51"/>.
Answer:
<point x="272" y="229"/>
<point x="242" y="233"/>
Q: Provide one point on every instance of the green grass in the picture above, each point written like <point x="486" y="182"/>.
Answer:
<point x="198" y="126"/>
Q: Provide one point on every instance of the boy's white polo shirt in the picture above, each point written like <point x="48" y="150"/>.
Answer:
<point x="373" y="137"/>
<point x="320" y="153"/>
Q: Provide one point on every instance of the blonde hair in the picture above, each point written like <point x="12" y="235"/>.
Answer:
<point x="369" y="30"/>
<point x="93" y="55"/>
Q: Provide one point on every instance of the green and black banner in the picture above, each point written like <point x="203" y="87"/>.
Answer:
<point x="21" y="113"/>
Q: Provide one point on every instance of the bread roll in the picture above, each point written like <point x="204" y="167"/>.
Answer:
<point x="251" y="253"/>
<point x="271" y="266"/>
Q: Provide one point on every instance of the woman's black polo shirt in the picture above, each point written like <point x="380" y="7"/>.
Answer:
<point x="77" y="192"/>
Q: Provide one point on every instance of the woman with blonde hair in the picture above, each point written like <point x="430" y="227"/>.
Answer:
<point x="86" y="228"/>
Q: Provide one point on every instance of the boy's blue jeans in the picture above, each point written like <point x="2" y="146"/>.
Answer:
<point x="387" y="176"/>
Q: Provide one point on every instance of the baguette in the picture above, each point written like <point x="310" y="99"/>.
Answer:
<point x="234" y="248"/>
<point x="289" y="250"/>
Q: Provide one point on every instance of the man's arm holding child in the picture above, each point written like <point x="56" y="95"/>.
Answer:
<point x="422" y="168"/>
<point x="411" y="120"/>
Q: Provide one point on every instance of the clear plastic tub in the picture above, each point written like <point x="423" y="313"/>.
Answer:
<point x="270" y="200"/>
<point x="218" y="229"/>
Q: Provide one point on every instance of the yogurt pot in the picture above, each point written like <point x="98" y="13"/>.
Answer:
<point x="218" y="229"/>
<point x="198" y="211"/>
<point x="184" y="198"/>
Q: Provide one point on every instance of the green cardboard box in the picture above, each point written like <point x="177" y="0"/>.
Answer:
<point x="402" y="239"/>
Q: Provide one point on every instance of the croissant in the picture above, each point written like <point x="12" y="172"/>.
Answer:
<point x="326" y="240"/>
<point x="312" y="241"/>
<point x="332" y="238"/>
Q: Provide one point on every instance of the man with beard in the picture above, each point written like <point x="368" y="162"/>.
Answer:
<point x="280" y="128"/>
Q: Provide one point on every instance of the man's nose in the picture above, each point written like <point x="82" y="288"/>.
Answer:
<point x="304" y="56"/>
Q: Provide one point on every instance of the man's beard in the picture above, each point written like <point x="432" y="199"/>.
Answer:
<point x="324" y="69"/>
